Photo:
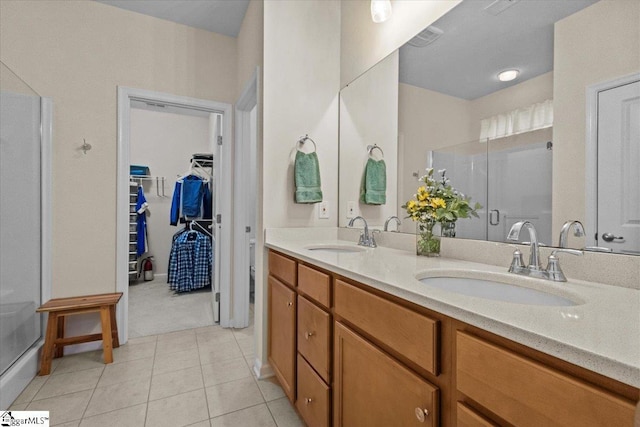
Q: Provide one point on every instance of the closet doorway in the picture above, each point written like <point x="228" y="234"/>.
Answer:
<point x="166" y="144"/>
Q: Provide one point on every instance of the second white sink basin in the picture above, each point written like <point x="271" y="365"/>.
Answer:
<point x="497" y="291"/>
<point x="337" y="248"/>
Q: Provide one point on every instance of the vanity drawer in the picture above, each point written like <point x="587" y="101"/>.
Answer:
<point x="406" y="332"/>
<point x="467" y="417"/>
<point x="283" y="268"/>
<point x="314" y="336"/>
<point x="526" y="393"/>
<point x="315" y="284"/>
<point x="314" y="398"/>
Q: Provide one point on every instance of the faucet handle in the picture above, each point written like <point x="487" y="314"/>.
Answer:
<point x="553" y="266"/>
<point x="517" y="263"/>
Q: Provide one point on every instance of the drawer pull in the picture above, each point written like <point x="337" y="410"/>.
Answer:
<point x="308" y="400"/>
<point x="308" y="335"/>
<point x="289" y="303"/>
<point x="422" y="414"/>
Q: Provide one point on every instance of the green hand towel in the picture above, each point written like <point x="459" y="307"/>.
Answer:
<point x="307" y="178"/>
<point x="373" y="190"/>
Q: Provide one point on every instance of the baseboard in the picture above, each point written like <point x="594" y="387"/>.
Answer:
<point x="261" y="370"/>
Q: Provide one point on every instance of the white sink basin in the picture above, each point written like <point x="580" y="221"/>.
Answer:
<point x="338" y="248"/>
<point x="497" y="291"/>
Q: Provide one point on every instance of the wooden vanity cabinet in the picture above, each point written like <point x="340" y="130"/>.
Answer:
<point x="350" y="355"/>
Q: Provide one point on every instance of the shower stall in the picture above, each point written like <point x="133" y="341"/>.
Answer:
<point x="25" y="137"/>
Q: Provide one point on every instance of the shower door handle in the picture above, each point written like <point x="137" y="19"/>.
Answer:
<point x="497" y="221"/>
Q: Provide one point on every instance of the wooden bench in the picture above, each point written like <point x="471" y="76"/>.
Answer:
<point x="59" y="308"/>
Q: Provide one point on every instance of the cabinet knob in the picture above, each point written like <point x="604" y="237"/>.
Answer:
<point x="421" y="414"/>
<point x="307" y="400"/>
<point x="308" y="335"/>
<point x="289" y="304"/>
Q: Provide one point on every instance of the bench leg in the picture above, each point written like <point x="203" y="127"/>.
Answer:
<point x="114" y="326"/>
<point x="105" y="318"/>
<point x="59" y="349"/>
<point x="49" y="344"/>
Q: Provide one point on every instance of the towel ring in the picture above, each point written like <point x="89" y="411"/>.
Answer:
<point x="370" y="149"/>
<point x="306" y="138"/>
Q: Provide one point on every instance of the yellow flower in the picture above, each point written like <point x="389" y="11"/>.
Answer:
<point x="437" y="202"/>
<point x="422" y="194"/>
<point x="422" y="204"/>
<point x="411" y="205"/>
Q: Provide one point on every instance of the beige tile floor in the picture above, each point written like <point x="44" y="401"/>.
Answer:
<point x="197" y="377"/>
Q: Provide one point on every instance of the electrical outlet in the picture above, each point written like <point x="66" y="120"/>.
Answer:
<point x="351" y="210"/>
<point x="323" y="210"/>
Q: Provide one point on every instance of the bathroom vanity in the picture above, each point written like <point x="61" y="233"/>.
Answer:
<point x="356" y="340"/>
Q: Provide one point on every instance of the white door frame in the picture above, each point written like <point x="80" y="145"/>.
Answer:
<point x="242" y="202"/>
<point x="125" y="96"/>
<point x="591" y="152"/>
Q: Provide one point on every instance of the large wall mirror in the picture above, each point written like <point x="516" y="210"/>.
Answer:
<point x="525" y="149"/>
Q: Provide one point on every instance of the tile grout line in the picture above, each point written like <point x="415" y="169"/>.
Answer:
<point x="91" y="397"/>
<point x="204" y="388"/>
<point x="153" y="363"/>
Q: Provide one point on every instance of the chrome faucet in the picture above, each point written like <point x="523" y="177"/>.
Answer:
<point x="366" y="239"/>
<point x="386" y="223"/>
<point x="578" y="231"/>
<point x="534" y="269"/>
<point x="534" y="257"/>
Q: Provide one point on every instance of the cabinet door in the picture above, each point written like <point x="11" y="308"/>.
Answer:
<point x="372" y="389"/>
<point x="282" y="335"/>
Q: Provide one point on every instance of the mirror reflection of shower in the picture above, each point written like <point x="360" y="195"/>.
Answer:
<point x="510" y="177"/>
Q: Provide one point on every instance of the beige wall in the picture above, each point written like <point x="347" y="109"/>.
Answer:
<point x="301" y="84"/>
<point x="369" y="115"/>
<point x="250" y="43"/>
<point x="364" y="43"/>
<point x="597" y="44"/>
<point x="78" y="52"/>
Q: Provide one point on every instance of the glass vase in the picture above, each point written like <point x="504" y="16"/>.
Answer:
<point x="427" y="244"/>
<point x="448" y="229"/>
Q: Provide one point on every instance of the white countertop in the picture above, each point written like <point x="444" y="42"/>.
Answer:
<point x="601" y="334"/>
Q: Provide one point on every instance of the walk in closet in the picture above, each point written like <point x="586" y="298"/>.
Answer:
<point x="172" y="185"/>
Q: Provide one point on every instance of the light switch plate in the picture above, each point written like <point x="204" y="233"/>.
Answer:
<point x="351" y="210"/>
<point x="323" y="210"/>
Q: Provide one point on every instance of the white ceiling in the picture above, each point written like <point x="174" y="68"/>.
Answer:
<point x="219" y="16"/>
<point x="476" y="46"/>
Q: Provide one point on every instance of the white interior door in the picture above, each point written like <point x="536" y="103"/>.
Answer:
<point x="215" y="121"/>
<point x="618" y="170"/>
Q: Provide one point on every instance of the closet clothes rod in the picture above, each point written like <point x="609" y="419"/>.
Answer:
<point x="158" y="179"/>
<point x="202" y="229"/>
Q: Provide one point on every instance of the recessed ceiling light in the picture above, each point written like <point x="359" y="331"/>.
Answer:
<point x="508" y="75"/>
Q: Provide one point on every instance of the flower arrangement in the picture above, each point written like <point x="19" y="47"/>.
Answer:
<point x="437" y="201"/>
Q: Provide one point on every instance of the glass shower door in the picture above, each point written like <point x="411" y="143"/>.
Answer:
<point x="20" y="218"/>
<point x="519" y="184"/>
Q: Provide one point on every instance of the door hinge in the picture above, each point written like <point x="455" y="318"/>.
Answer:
<point x="247" y="229"/>
<point x="217" y="296"/>
<point x="219" y="139"/>
<point x="218" y="218"/>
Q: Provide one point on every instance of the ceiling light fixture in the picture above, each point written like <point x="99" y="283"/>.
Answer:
<point x="508" y="75"/>
<point x="380" y="10"/>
